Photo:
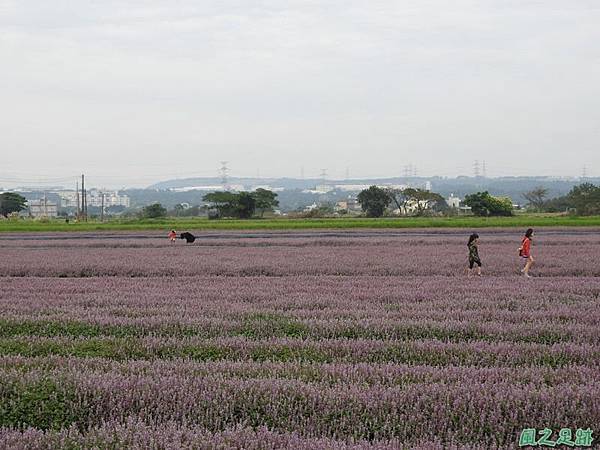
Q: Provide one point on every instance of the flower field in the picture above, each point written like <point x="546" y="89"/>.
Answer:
<point x="357" y="339"/>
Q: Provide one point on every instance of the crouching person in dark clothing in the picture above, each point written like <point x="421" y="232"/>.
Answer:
<point x="189" y="237"/>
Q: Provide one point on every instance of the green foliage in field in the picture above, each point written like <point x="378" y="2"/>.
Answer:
<point x="257" y="326"/>
<point x="396" y="351"/>
<point x="44" y="404"/>
<point x="261" y="326"/>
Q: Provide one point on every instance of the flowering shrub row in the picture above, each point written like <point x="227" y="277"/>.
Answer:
<point x="450" y="411"/>
<point x="394" y="256"/>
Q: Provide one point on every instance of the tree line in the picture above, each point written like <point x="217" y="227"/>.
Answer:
<point x="375" y="200"/>
<point x="224" y="204"/>
<point x="582" y="200"/>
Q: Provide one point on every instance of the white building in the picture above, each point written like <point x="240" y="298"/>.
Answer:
<point x="68" y="199"/>
<point x="453" y="202"/>
<point x="42" y="208"/>
<point x="351" y="187"/>
<point x="111" y="198"/>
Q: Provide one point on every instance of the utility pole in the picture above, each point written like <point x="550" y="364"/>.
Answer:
<point x="584" y="172"/>
<point x="476" y="169"/>
<point x="45" y="204"/>
<point x="83" y="199"/>
<point x="484" y="171"/>
<point x="77" y="199"/>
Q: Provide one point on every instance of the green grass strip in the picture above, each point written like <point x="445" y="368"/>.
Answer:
<point x="292" y="224"/>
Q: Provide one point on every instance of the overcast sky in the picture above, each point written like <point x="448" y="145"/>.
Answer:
<point x="133" y="91"/>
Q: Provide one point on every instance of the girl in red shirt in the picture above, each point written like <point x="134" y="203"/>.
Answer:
<point x="172" y="236"/>
<point x="525" y="252"/>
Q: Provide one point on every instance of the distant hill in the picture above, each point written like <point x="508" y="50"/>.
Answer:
<point x="460" y="186"/>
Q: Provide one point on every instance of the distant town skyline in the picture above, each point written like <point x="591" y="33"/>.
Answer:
<point x="103" y="182"/>
<point x="132" y="93"/>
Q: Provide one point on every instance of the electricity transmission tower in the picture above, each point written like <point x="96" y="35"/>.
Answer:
<point x="323" y="175"/>
<point x="224" y="172"/>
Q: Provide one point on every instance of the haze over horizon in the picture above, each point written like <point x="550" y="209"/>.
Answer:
<point x="132" y="93"/>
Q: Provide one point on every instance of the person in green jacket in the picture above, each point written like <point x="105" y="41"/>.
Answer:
<point x="474" y="254"/>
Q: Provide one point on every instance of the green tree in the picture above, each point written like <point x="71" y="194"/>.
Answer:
<point x="226" y="203"/>
<point x="265" y="200"/>
<point x="422" y="199"/>
<point x="246" y="205"/>
<point x="229" y="204"/>
<point x="585" y="198"/>
<point x="11" y="203"/>
<point x="484" y="204"/>
<point x="536" y="197"/>
<point x="558" y="204"/>
<point x="501" y="206"/>
<point x="154" y="211"/>
<point x="374" y="201"/>
<point x="437" y="202"/>
<point x="178" y="210"/>
<point x="400" y="197"/>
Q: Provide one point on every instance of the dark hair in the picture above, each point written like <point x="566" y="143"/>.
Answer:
<point x="472" y="238"/>
<point x="529" y="232"/>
